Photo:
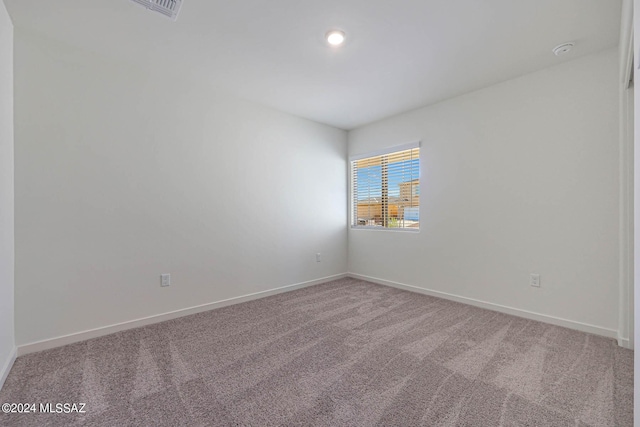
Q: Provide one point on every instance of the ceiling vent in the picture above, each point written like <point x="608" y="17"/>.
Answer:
<point x="169" y="8"/>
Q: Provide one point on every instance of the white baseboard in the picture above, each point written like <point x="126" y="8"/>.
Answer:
<point x="624" y="343"/>
<point x="131" y="324"/>
<point x="571" y="324"/>
<point x="4" y="373"/>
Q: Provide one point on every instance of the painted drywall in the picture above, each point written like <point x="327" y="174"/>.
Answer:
<point x="7" y="339"/>
<point x="518" y="178"/>
<point x="627" y="314"/>
<point x="626" y="304"/>
<point x="636" y="211"/>
<point x="125" y="173"/>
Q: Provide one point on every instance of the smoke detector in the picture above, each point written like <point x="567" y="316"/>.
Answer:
<point x="563" y="48"/>
<point x="169" y="8"/>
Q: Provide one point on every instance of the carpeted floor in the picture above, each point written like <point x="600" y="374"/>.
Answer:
<point x="345" y="353"/>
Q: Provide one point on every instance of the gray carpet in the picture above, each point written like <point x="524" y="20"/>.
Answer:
<point x="345" y="353"/>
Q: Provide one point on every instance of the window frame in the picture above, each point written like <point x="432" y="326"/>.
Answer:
<point x="375" y="153"/>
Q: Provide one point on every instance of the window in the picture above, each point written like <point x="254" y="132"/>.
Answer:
<point x="386" y="189"/>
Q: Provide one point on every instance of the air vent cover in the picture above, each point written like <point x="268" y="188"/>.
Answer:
<point x="169" y="8"/>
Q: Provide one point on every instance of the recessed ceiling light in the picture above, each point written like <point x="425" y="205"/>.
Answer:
<point x="563" y="48"/>
<point x="335" y="37"/>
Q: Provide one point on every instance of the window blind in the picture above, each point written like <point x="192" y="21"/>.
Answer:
<point x="386" y="190"/>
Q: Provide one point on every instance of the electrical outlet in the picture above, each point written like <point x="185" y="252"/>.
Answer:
<point x="534" y="280"/>
<point x="318" y="257"/>
<point x="165" y="280"/>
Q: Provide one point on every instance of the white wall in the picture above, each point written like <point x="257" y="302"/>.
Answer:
<point x="121" y="177"/>
<point x="636" y="210"/>
<point x="7" y="341"/>
<point x="626" y="297"/>
<point x="518" y="178"/>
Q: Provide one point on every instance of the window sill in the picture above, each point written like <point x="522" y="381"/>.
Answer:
<point x="401" y="230"/>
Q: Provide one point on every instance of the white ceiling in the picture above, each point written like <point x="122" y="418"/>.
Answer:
<point x="399" y="54"/>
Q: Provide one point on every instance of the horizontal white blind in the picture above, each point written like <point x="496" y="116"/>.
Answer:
<point x="388" y="150"/>
<point x="386" y="190"/>
<point x="170" y="8"/>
